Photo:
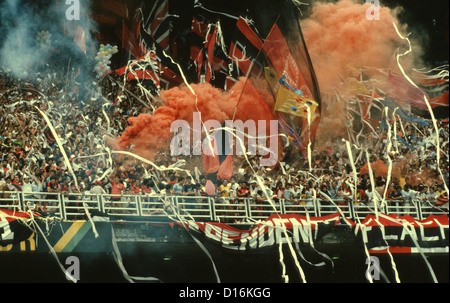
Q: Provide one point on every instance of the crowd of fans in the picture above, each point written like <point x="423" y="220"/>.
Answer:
<point x="32" y="162"/>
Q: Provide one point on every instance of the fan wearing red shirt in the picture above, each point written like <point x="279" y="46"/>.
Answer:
<point x="243" y="191"/>
<point x="136" y="187"/>
<point x="117" y="189"/>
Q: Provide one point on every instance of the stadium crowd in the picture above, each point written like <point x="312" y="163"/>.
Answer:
<point x="31" y="161"/>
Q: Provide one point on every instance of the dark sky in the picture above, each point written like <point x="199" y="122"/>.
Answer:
<point x="426" y="18"/>
<point x="430" y="17"/>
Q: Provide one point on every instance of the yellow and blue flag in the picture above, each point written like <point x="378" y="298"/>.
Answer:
<point x="294" y="104"/>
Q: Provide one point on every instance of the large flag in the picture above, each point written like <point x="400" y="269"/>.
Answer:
<point x="210" y="59"/>
<point x="401" y="90"/>
<point x="244" y="52"/>
<point x="145" y="68"/>
<point x="264" y="235"/>
<point x="412" y="97"/>
<point x="161" y="25"/>
<point x="130" y="42"/>
<point x="204" y="58"/>
<point x="386" y="233"/>
<point x="287" y="56"/>
<point x="140" y="43"/>
<point x="199" y="30"/>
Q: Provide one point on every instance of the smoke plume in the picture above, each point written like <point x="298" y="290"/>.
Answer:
<point x="23" y="50"/>
<point x="342" y="42"/>
<point x="150" y="133"/>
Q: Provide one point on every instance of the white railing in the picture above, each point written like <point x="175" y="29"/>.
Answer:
<point x="201" y="208"/>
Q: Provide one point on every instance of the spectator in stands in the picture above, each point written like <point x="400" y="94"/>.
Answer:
<point x="225" y="189"/>
<point x="117" y="190"/>
<point x="409" y="196"/>
<point x="234" y="186"/>
<point x="289" y="196"/>
<point x="372" y="197"/>
<point x="243" y="190"/>
<point x="178" y="188"/>
<point x="25" y="146"/>
<point x="344" y="193"/>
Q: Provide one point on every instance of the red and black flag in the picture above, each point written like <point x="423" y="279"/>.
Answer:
<point x="208" y="51"/>
<point x="144" y="48"/>
<point x="402" y="234"/>
<point x="144" y="68"/>
<point x="169" y="72"/>
<point x="245" y="53"/>
<point x="413" y="96"/>
<point x="130" y="42"/>
<point x="204" y="57"/>
<point x="12" y="228"/>
<point x="162" y="23"/>
<point x="283" y="60"/>
<point x="49" y="136"/>
<point x="404" y="92"/>
<point x="211" y="59"/>
<point x="436" y="85"/>
<point x="199" y="30"/>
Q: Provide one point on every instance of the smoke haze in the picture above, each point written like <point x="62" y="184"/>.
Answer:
<point x="342" y="42"/>
<point x="150" y="133"/>
<point x="20" y="23"/>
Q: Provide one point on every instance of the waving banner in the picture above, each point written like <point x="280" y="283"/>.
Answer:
<point x="13" y="230"/>
<point x="270" y="232"/>
<point x="382" y="234"/>
<point x="404" y="234"/>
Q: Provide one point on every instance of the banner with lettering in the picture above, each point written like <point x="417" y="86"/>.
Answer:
<point x="275" y="229"/>
<point x="13" y="228"/>
<point x="380" y="234"/>
<point x="404" y="234"/>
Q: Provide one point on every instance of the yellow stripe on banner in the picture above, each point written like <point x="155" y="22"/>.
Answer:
<point x="68" y="235"/>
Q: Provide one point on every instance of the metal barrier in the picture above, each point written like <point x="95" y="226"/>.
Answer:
<point x="74" y="206"/>
<point x="230" y="210"/>
<point x="201" y="208"/>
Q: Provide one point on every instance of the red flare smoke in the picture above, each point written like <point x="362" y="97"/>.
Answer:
<point x="341" y="40"/>
<point x="150" y="133"/>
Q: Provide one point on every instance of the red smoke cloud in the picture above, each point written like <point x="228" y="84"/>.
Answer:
<point x="150" y="133"/>
<point x="340" y="39"/>
<point x="339" y="35"/>
<point x="401" y="169"/>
